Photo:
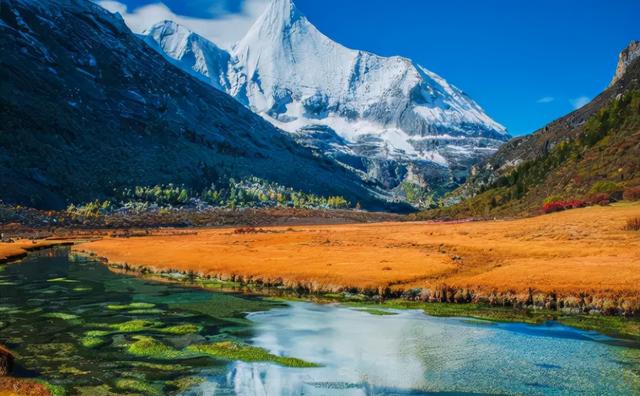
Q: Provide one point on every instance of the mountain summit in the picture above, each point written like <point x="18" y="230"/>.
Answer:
<point x="389" y="120"/>
<point x="628" y="55"/>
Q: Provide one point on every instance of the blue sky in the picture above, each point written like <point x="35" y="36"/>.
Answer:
<point x="526" y="63"/>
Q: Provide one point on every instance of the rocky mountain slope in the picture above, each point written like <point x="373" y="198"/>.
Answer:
<point x="591" y="151"/>
<point x="87" y="108"/>
<point x="388" y="120"/>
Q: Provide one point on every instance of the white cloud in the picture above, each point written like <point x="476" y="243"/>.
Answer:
<point x="546" y="99"/>
<point x="224" y="30"/>
<point x="579" y="101"/>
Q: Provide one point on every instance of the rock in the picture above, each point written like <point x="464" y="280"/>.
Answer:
<point x="6" y="360"/>
<point x="627" y="56"/>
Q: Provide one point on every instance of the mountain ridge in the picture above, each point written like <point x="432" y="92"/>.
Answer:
<point x="91" y="109"/>
<point x="387" y="118"/>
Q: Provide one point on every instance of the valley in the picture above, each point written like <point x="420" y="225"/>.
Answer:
<point x="583" y="259"/>
<point x="286" y="215"/>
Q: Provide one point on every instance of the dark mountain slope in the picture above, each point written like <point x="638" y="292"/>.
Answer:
<point x="87" y="107"/>
<point x="592" y="151"/>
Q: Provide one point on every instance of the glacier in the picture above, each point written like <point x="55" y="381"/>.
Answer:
<point x="387" y="119"/>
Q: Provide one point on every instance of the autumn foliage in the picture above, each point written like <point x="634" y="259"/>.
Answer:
<point x="558" y="206"/>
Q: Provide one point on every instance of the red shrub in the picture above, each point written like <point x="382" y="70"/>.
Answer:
<point x="632" y="194"/>
<point x="602" y="199"/>
<point x="558" y="206"/>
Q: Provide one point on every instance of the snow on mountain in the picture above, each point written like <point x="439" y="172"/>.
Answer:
<point x="388" y="118"/>
<point x="191" y="52"/>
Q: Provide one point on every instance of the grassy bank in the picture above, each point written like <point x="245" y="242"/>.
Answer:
<point x="612" y="325"/>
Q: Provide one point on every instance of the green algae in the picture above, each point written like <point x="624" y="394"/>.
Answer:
<point x="62" y="280"/>
<point x="230" y="350"/>
<point x="377" y="312"/>
<point x="183" y="384"/>
<point x="134" y="305"/>
<point x="60" y="315"/>
<point x="97" y="333"/>
<point x="223" y="306"/>
<point x="144" y="346"/>
<point x="159" y="366"/>
<point x="82" y="289"/>
<point x="135" y="385"/>
<point x="92" y="342"/>
<point x="72" y="370"/>
<point x="55" y="390"/>
<point x="152" y="311"/>
<point x="181" y="329"/>
<point x="99" y="390"/>
<point x="133" y="326"/>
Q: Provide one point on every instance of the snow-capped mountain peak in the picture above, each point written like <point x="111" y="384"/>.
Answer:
<point x="384" y="117"/>
<point x="192" y="52"/>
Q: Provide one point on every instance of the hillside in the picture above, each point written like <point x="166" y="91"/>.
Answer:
<point x="591" y="155"/>
<point x="87" y="109"/>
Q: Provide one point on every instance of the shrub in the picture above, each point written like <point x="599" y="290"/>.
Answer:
<point x="553" y="198"/>
<point x="558" y="206"/>
<point x="601" y="199"/>
<point x="633" y="224"/>
<point x="632" y="194"/>
<point x="607" y="187"/>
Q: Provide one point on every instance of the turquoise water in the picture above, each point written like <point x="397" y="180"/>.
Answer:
<point x="64" y="315"/>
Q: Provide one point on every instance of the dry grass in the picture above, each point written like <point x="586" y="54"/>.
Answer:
<point x="633" y="224"/>
<point x="577" y="251"/>
<point x="14" y="250"/>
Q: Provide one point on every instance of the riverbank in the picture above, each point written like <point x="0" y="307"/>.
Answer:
<point x="172" y="338"/>
<point x="20" y="248"/>
<point x="579" y="261"/>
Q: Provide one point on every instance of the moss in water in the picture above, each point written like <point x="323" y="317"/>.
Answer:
<point x="183" y="384"/>
<point x="133" y="326"/>
<point x="60" y="315"/>
<point x="62" y="280"/>
<point x="181" y="329"/>
<point x="614" y="325"/>
<point x="97" y="333"/>
<point x="152" y="311"/>
<point x="100" y="390"/>
<point x="135" y="385"/>
<point x="229" y="350"/>
<point x="92" y="342"/>
<point x="377" y="312"/>
<point x="148" y="347"/>
<point x="224" y="306"/>
<point x="72" y="371"/>
<point x="134" y="305"/>
<point x="55" y="390"/>
<point x="7" y="283"/>
<point x="158" y="366"/>
<point x="82" y="289"/>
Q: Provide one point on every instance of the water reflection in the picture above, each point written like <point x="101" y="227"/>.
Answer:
<point x="411" y="353"/>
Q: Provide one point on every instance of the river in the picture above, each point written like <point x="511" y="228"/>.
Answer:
<point x="75" y="324"/>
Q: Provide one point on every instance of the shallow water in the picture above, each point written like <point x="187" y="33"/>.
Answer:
<point x="51" y="300"/>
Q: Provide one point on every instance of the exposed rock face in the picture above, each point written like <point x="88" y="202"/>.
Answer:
<point x="379" y="116"/>
<point x="628" y="55"/>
